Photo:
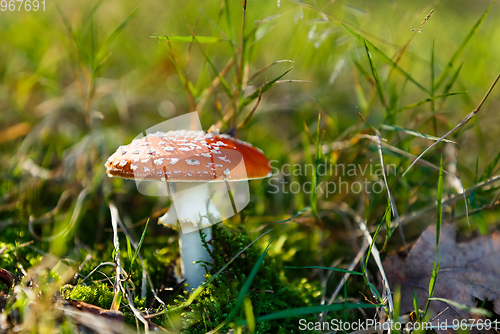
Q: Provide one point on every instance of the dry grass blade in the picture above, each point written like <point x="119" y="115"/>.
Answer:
<point x="256" y="74"/>
<point x="14" y="131"/>
<point x="74" y="217"/>
<point x="346" y="276"/>
<point x="375" y="253"/>
<point x="413" y="133"/>
<point x="421" y="161"/>
<point x="145" y="276"/>
<point x="118" y="287"/>
<point x="451" y="200"/>
<point x="96" y="323"/>
<point x="250" y="114"/>
<point x="465" y="120"/>
<point x="391" y="200"/>
<point x="215" y="82"/>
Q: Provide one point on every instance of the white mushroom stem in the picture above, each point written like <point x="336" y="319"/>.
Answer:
<point x="192" y="250"/>
<point x="190" y="201"/>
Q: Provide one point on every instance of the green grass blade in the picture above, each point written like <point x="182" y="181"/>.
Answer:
<point x="374" y="290"/>
<point x="439" y="204"/>
<point x="191" y="39"/>
<point x="249" y="314"/>
<point x="458" y="306"/>
<point x="120" y="28"/>
<point x="187" y="84"/>
<point x="433" y="72"/>
<point x="200" y="289"/>
<point x="413" y="133"/>
<point x="363" y="71"/>
<point x="432" y="282"/>
<point x="295" y="312"/>
<point x="430" y="99"/>
<point x="388" y="229"/>
<point x="229" y="21"/>
<point x="295" y="215"/>
<point x="140" y="243"/>
<point x="437" y="261"/>
<point x="246" y="101"/>
<point x="415" y="306"/>
<point x="476" y="173"/>
<point x="129" y="249"/>
<point x="328" y="268"/>
<point x="461" y="48"/>
<point x="248" y="283"/>
<point x="223" y="81"/>
<point x="489" y="170"/>
<point x="375" y="235"/>
<point x="450" y="83"/>
<point x="376" y="77"/>
<point x="313" y="197"/>
<point x="452" y="80"/>
<point x="386" y="59"/>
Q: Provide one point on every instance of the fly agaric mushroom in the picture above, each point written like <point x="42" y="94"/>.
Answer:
<point x="187" y="161"/>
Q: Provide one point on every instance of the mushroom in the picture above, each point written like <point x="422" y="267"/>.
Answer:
<point x="188" y="161"/>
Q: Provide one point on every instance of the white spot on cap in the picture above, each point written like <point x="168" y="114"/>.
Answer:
<point x="151" y="151"/>
<point x="224" y="159"/>
<point x="158" y="161"/>
<point x="216" y="165"/>
<point x="191" y="145"/>
<point x="226" y="172"/>
<point x="206" y="155"/>
<point x="161" y="143"/>
<point x="133" y="167"/>
<point x="145" y="144"/>
<point x="136" y="152"/>
<point x="192" y="162"/>
<point x="221" y="143"/>
<point x="173" y="161"/>
<point x="185" y="149"/>
<point x="124" y="152"/>
<point x="122" y="163"/>
<point x="146" y="169"/>
<point x="169" y="148"/>
<point x="145" y="161"/>
<point x="215" y="152"/>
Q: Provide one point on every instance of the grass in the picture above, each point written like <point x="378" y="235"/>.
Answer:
<point x="78" y="80"/>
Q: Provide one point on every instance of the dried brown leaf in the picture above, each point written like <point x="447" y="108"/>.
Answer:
<point x="467" y="271"/>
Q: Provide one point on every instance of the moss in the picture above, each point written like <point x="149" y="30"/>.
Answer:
<point x="270" y="290"/>
<point x="98" y="294"/>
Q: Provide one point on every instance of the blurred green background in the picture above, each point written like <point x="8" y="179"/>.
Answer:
<point x="70" y="95"/>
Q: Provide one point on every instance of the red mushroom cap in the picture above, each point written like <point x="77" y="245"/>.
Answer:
<point x="188" y="156"/>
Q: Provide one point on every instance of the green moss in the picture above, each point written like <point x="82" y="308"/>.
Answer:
<point x="98" y="294"/>
<point x="270" y="290"/>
